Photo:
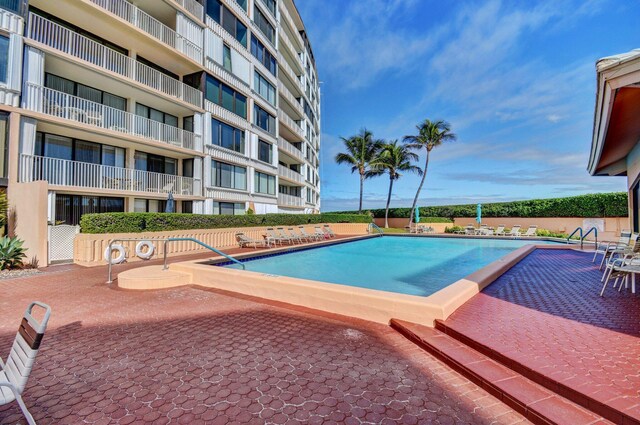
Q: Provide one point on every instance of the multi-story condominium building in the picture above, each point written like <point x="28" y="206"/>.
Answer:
<point x="112" y="105"/>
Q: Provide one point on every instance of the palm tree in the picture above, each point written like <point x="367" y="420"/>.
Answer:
<point x="393" y="159"/>
<point x="430" y="134"/>
<point x="360" y="150"/>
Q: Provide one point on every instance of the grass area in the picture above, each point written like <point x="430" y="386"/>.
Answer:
<point x="394" y="230"/>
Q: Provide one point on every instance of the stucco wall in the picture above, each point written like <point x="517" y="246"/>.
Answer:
<point x="29" y="204"/>
<point x="400" y="223"/>
<point x="89" y="249"/>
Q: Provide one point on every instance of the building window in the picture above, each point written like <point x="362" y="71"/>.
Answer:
<point x="60" y="147"/>
<point x="263" y="24"/>
<point x="225" y="96"/>
<point x="271" y="5"/>
<point x="69" y="208"/>
<point x="157" y="67"/>
<point x="228" y="176"/>
<point x="149" y="205"/>
<point x="226" y="58"/>
<point x="4" y="58"/>
<point x="264" y="88"/>
<point x="156" y="115"/>
<point x="219" y="13"/>
<point x="64" y="85"/>
<point x="4" y="146"/>
<point x="264" y="120"/>
<point x="187" y="207"/>
<point x="227" y="136"/>
<point x="263" y="55"/>
<point x="265" y="183"/>
<point x="187" y="167"/>
<point x="265" y="151"/>
<point x="187" y="123"/>
<point x="155" y="163"/>
<point x="228" y="208"/>
<point x="243" y="4"/>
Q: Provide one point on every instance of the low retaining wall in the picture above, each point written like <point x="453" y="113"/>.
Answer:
<point x="399" y="223"/>
<point x="89" y="249"/>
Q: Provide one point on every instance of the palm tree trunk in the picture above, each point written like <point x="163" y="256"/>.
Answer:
<point x="386" y="211"/>
<point x="415" y="200"/>
<point x="361" y="190"/>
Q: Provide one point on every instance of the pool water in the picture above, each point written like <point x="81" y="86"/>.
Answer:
<point x="408" y="265"/>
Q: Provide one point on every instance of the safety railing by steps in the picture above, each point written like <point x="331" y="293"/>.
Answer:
<point x="372" y="227"/>
<point x="583" y="235"/>
<point x="165" y="241"/>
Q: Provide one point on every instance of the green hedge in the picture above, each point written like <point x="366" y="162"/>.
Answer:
<point x="156" y="222"/>
<point x="593" y="205"/>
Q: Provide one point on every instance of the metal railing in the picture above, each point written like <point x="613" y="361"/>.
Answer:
<point x="193" y="7"/>
<point x="290" y="200"/>
<point x="210" y="248"/>
<point x="294" y="126"/>
<point x="165" y="266"/>
<point x="63" y="172"/>
<point x="65" y="40"/>
<point x="59" y="104"/>
<point x="290" y="149"/>
<point x="583" y="235"/>
<point x="372" y="226"/>
<point x="289" y="174"/>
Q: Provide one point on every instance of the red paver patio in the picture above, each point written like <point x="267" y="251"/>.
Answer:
<point x="188" y="355"/>
<point x="545" y="319"/>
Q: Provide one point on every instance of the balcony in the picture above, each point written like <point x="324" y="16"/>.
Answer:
<point x="62" y="172"/>
<point x="150" y="25"/>
<point x="291" y="150"/>
<point x="289" y="97"/>
<point x="284" y="65"/>
<point x="64" y="40"/>
<point x="193" y="7"/>
<point x="289" y="174"/>
<point x="285" y="200"/>
<point x="284" y="13"/>
<point x="222" y="194"/>
<point x="58" y="104"/>
<point x="291" y="124"/>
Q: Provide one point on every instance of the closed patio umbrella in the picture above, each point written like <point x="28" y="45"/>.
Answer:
<point x="417" y="215"/>
<point x="171" y="204"/>
<point x="479" y="213"/>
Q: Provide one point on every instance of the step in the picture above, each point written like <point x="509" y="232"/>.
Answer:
<point x="537" y="403"/>
<point x="605" y="410"/>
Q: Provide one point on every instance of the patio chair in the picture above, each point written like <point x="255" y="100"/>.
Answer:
<point x="622" y="268"/>
<point x="245" y="241"/>
<point x="470" y="230"/>
<point x="499" y="230"/>
<point x="307" y="235"/>
<point x="286" y="238"/>
<point x="606" y="247"/>
<point x="319" y="233"/>
<point x="15" y="372"/>
<point x="515" y="231"/>
<point x="616" y="255"/>
<point x="294" y="235"/>
<point x="531" y="231"/>
<point x="275" y="237"/>
<point x="328" y="231"/>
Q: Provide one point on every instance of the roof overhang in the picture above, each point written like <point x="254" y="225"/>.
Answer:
<point x="616" y="124"/>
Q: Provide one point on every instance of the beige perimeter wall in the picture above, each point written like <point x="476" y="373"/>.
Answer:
<point x="89" y="249"/>
<point x="29" y="204"/>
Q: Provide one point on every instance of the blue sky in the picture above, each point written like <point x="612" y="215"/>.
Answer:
<point x="516" y="80"/>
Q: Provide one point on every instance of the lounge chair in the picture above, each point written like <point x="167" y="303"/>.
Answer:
<point x="317" y="231"/>
<point x="274" y="237"/>
<point x="326" y="229"/>
<point x="245" y="241"/>
<point x="499" y="230"/>
<point x="515" y="231"/>
<point x="531" y="231"/>
<point x="294" y="235"/>
<point x="285" y="237"/>
<point x="470" y="230"/>
<point x="15" y="372"/>
<point x="606" y="247"/>
<point x="307" y="235"/>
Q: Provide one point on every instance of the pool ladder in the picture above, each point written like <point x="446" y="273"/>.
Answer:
<point x="372" y="227"/>
<point x="593" y="230"/>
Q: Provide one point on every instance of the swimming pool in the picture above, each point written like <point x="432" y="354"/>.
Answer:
<point x="407" y="265"/>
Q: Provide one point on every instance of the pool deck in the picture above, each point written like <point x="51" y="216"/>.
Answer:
<point x="194" y="356"/>
<point x="545" y="321"/>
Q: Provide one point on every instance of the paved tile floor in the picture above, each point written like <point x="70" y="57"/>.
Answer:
<point x="189" y="355"/>
<point x="546" y="313"/>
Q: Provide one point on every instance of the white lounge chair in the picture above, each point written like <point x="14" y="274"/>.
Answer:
<point x="244" y="241"/>
<point x="285" y="237"/>
<point x="531" y="231"/>
<point x="606" y="247"/>
<point x="15" y="372"/>
<point x="317" y="231"/>
<point x="470" y="230"/>
<point x="621" y="254"/>
<point x="294" y="235"/>
<point x="499" y="230"/>
<point x="275" y="237"/>
<point x="515" y="231"/>
<point x="326" y="229"/>
<point x="307" y="235"/>
<point x="622" y="268"/>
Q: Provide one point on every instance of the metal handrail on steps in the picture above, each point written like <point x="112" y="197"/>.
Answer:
<point x="584" y="235"/>
<point x="376" y="227"/>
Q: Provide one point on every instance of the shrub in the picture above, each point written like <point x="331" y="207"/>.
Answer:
<point x="156" y="222"/>
<point x="11" y="253"/>
<point x="453" y="229"/>
<point x="593" y="205"/>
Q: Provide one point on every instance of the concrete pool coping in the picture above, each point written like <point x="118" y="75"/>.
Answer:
<point x="363" y="303"/>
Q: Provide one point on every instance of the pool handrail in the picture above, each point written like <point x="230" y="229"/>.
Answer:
<point x="210" y="248"/>
<point x="578" y="229"/>
<point x="584" y="235"/>
<point x="374" y="226"/>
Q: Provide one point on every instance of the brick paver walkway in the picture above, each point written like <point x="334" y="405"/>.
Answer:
<point x="546" y="314"/>
<point x="188" y="355"/>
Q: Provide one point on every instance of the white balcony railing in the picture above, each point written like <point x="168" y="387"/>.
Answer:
<point x="62" y="172"/>
<point x="283" y="65"/>
<point x="63" y="39"/>
<point x="290" y="149"/>
<point x="193" y="7"/>
<point x="62" y="105"/>
<point x="286" y="93"/>
<point x="290" y="200"/>
<point x="147" y="23"/>
<point x="223" y="194"/>
<point x="293" y="126"/>
<point x="284" y="13"/>
<point x="289" y="174"/>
